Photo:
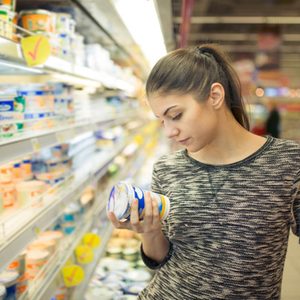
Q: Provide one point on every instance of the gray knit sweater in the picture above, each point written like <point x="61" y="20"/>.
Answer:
<point x="228" y="225"/>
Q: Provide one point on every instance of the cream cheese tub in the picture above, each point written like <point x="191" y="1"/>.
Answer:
<point x="28" y="191"/>
<point x="9" y="280"/>
<point x="122" y="196"/>
<point x="35" y="260"/>
<point x="2" y="291"/>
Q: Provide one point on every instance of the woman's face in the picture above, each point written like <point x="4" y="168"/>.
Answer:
<point x="191" y="123"/>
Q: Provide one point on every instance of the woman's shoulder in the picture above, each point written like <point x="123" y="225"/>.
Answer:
<point x="287" y="146"/>
<point x="172" y="159"/>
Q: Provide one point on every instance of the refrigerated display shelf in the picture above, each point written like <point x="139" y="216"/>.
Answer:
<point x="15" y="241"/>
<point x="27" y="144"/>
<point x="44" y="289"/>
<point x="49" y="285"/>
<point x="90" y="270"/>
<point x="12" y="57"/>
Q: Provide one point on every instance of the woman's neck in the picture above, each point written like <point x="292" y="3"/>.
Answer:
<point x="231" y="144"/>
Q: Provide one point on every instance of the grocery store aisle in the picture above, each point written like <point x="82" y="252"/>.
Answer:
<point x="291" y="275"/>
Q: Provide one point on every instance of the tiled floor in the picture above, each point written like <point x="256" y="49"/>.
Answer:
<point x="291" y="275"/>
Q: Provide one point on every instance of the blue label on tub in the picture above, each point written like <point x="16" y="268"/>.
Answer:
<point x="7" y="106"/>
<point x="139" y="195"/>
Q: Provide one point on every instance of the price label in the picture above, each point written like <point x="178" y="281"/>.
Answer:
<point x="73" y="275"/>
<point x="92" y="240"/>
<point x="36" y="49"/>
<point x="36" y="146"/>
<point x="84" y="254"/>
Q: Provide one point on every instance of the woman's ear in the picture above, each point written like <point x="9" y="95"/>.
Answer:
<point x="217" y="95"/>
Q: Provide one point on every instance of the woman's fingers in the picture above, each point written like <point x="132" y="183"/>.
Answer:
<point x="148" y="209"/>
<point x="155" y="212"/>
<point x="134" y="216"/>
<point x="117" y="223"/>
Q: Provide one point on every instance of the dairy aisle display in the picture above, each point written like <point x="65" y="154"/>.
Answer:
<point x="70" y="129"/>
<point x="121" y="273"/>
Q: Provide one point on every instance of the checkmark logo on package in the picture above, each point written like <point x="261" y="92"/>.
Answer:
<point x="36" y="49"/>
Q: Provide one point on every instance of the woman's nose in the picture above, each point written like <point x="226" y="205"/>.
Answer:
<point x="171" y="131"/>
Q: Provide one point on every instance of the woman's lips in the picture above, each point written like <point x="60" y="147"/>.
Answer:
<point x="184" y="142"/>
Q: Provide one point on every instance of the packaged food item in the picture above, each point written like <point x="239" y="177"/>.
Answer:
<point x="22" y="285"/>
<point x="39" y="20"/>
<point x="9" y="280"/>
<point x="2" y="292"/>
<point x="6" y="173"/>
<point x="7" y="195"/>
<point x="18" y="264"/>
<point x="122" y="196"/>
<point x="6" y="105"/>
<point x="43" y="244"/>
<point x="28" y="191"/>
<point x="35" y="260"/>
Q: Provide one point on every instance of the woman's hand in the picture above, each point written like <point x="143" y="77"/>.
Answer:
<point x="150" y="224"/>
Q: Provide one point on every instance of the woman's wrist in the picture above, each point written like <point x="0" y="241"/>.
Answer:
<point x="152" y="235"/>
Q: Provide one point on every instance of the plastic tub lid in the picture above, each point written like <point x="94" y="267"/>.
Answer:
<point x="37" y="254"/>
<point x="8" y="278"/>
<point x="2" y="290"/>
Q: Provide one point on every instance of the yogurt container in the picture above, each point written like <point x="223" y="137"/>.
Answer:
<point x="2" y="291"/>
<point x="9" y="280"/>
<point x="122" y="196"/>
<point x="7" y="195"/>
<point x="35" y="260"/>
<point x="28" y="191"/>
<point x="37" y="20"/>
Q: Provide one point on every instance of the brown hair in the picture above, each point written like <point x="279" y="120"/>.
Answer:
<point x="193" y="71"/>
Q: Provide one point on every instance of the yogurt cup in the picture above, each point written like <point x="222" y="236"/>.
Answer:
<point x="9" y="280"/>
<point x="6" y="173"/>
<point x="28" y="191"/>
<point x="122" y="196"/>
<point x="18" y="264"/>
<point x="7" y="195"/>
<point x="43" y="244"/>
<point x="37" y="20"/>
<point x="35" y="260"/>
<point x="2" y="291"/>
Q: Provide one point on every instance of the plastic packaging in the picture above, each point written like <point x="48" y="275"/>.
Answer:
<point x="122" y="196"/>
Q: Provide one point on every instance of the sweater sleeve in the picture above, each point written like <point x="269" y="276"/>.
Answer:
<point x="156" y="188"/>
<point x="296" y="206"/>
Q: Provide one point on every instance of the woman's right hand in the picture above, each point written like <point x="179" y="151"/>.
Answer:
<point x="150" y="224"/>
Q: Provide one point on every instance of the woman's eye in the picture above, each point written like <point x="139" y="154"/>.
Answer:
<point x="177" y="117"/>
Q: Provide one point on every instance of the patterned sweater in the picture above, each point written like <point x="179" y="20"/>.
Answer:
<point x="228" y="225"/>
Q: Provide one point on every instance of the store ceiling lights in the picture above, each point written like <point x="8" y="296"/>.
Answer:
<point x="142" y="21"/>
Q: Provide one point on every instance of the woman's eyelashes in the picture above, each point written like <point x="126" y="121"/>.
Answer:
<point x="177" y="117"/>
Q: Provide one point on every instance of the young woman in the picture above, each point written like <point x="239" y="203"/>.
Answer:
<point x="234" y="195"/>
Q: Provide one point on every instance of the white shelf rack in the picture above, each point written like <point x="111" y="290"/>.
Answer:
<point x="11" y="55"/>
<point x="46" y="289"/>
<point x="31" y="143"/>
<point x="39" y="218"/>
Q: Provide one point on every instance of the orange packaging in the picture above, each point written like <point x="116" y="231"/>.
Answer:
<point x="22" y="284"/>
<point x="7" y="195"/>
<point x="37" y="20"/>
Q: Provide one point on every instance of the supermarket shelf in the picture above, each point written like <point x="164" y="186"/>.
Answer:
<point x="27" y="144"/>
<point x="44" y="217"/>
<point x="48" y="286"/>
<point x="11" y="54"/>
<point x="78" y="293"/>
<point x="90" y="270"/>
